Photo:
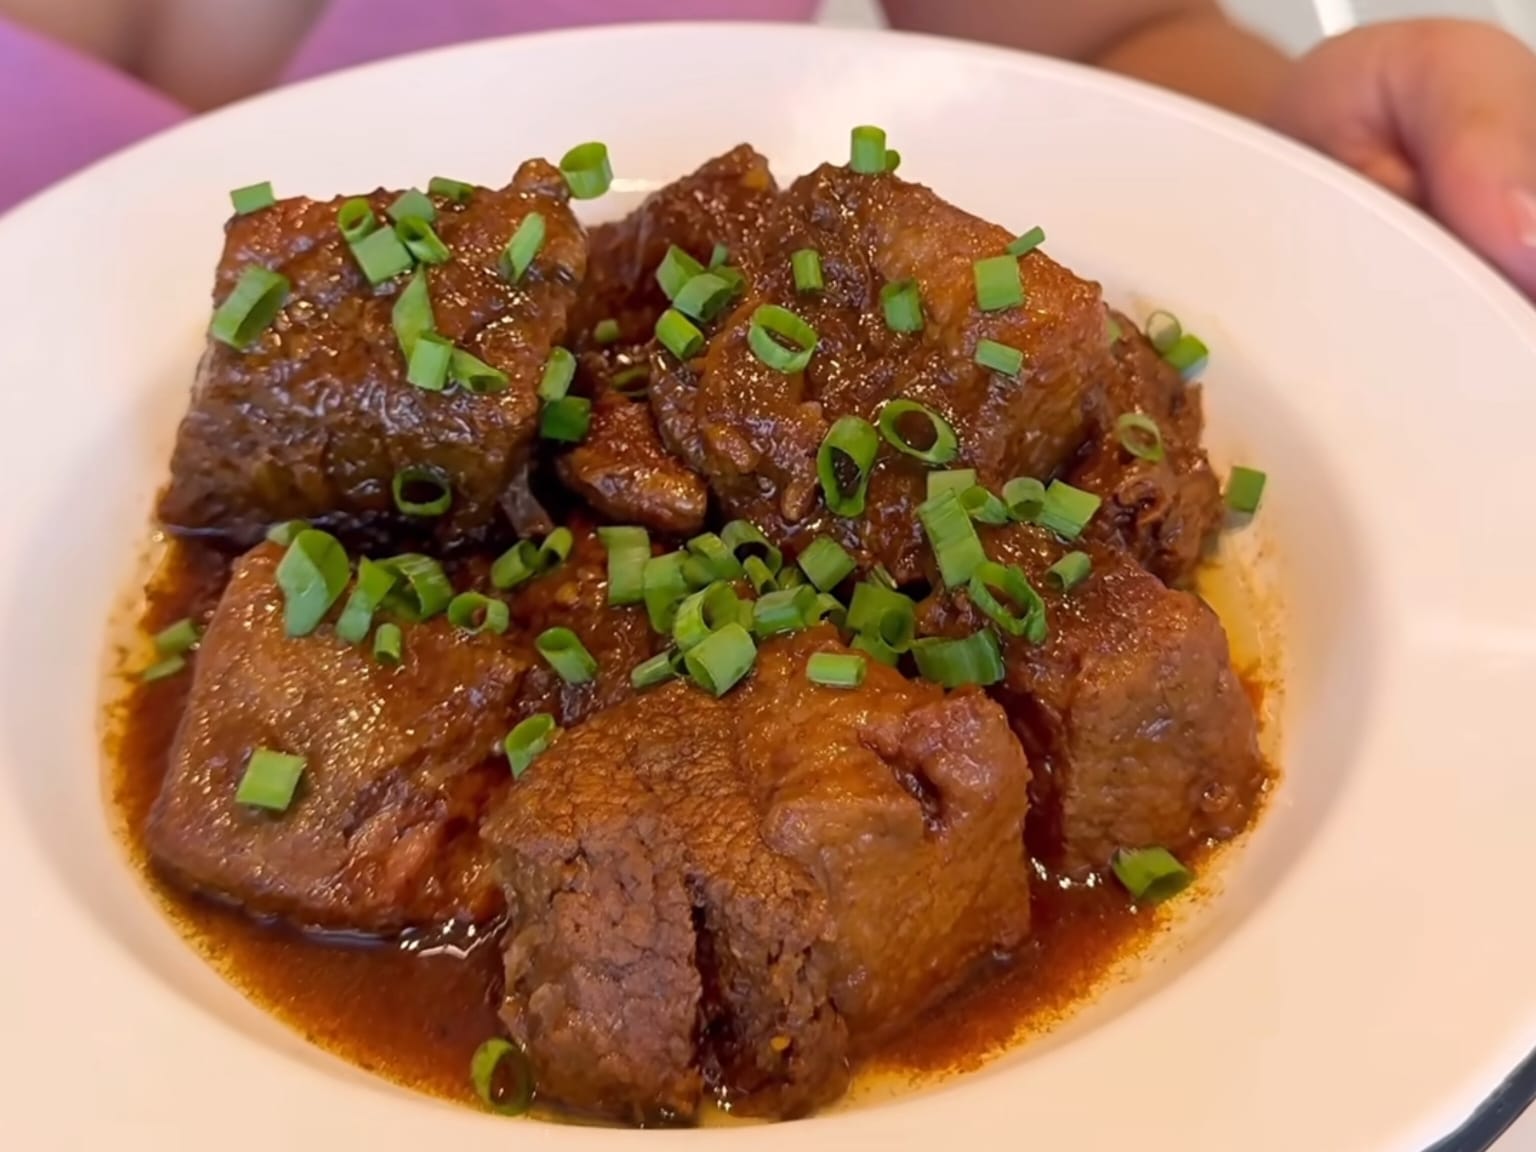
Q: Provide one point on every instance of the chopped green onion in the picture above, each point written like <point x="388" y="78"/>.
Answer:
<point x="475" y="375"/>
<point x="867" y="154"/>
<point x="881" y="575"/>
<point x="516" y="565"/>
<point x="426" y="590"/>
<point x="381" y="255"/>
<point x="976" y="659"/>
<point x="983" y="507"/>
<point x="1188" y="355"/>
<point x="493" y="1062"/>
<point x="523" y="247"/>
<point x="252" y="198"/>
<point x="903" y="306"/>
<point x="179" y="637"/>
<point x="474" y="613"/>
<point x="421" y="491"/>
<point x="892" y="159"/>
<point x="1010" y="581"/>
<point x="556" y="548"/>
<point x="998" y="283"/>
<point x="412" y="314"/>
<point x="843" y="463"/>
<point x="1025" y="497"/>
<point x="999" y="357"/>
<point x="628" y="550"/>
<point x="563" y="650"/>
<point x="663" y="586"/>
<point x="1245" y="488"/>
<point x="876" y="610"/>
<point x="606" y="331"/>
<point x="757" y="573"/>
<point x="942" y="445"/>
<point x="387" y="643"/>
<point x="718" y="255"/>
<point x="374" y="583"/>
<point x="1116" y="333"/>
<point x="1067" y="510"/>
<point x="786" y="610"/>
<point x="421" y="241"/>
<point x="678" y="335"/>
<point x="830" y="608"/>
<point x="427" y="366"/>
<point x="826" y="563"/>
<point x="719" y="661"/>
<point x="565" y="420"/>
<point x="1164" y="331"/>
<point x="1028" y="242"/>
<point x="284" y="531"/>
<point x="270" y="780"/>
<point x="587" y="170"/>
<point x="876" y="649"/>
<point x="527" y="739"/>
<point x="657" y="670"/>
<point x="705" y="611"/>
<point x="771" y="325"/>
<point x="1150" y="874"/>
<point x="1070" y="571"/>
<point x="836" y="669"/>
<point x="1140" y="436"/>
<point x="704" y="296"/>
<point x="719" y="559"/>
<point x="676" y="269"/>
<point x="163" y="668"/>
<point x="952" y="536"/>
<point x="456" y="190"/>
<point x="732" y="276"/>
<point x="745" y="539"/>
<point x="559" y="371"/>
<point x="312" y="574"/>
<point x="624" y="381"/>
<point x="955" y="480"/>
<point x="355" y="219"/>
<point x="412" y="203"/>
<point x="257" y="298"/>
<point x="805" y="263"/>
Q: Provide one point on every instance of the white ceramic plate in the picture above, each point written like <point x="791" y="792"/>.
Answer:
<point x="1365" y="979"/>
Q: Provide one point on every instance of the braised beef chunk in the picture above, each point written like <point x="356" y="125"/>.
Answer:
<point x="381" y="834"/>
<point x="844" y="859"/>
<point x="315" y="418"/>
<point x="754" y="431"/>
<point x="1162" y="511"/>
<point x="1138" y="728"/>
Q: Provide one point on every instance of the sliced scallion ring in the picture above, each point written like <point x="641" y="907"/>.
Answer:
<point x="843" y="464"/>
<point x="719" y="561"/>
<point x="252" y="198"/>
<point x="284" y="531"/>
<point x="784" y="610"/>
<point x="163" y="669"/>
<point x="388" y="644"/>
<point x="867" y="154"/>
<point x="421" y="241"/>
<point x="355" y="219"/>
<point x="953" y="479"/>
<point x="473" y="612"/>
<point x="1150" y="874"/>
<point x="758" y="575"/>
<point x="247" y="312"/>
<point x="657" y="670"/>
<point x="563" y="651"/>
<point x="805" y="264"/>
<point x="427" y="365"/>
<point x="975" y="659"/>
<point x="523" y="247"/>
<point x="991" y="583"/>
<point x="312" y="574"/>
<point x="878" y="611"/>
<point x="421" y="490"/>
<point x="999" y="283"/>
<point x="702" y="612"/>
<point x="936" y="444"/>
<point x="676" y="269"/>
<point x="1068" y="572"/>
<point x="456" y="190"/>
<point x="704" y="296"/>
<point x="412" y="314"/>
<point x="999" y="358"/>
<point x="663" y="586"/>
<point x="559" y="371"/>
<point x="1025" y="497"/>
<point x="565" y="420"/>
<point x="382" y="255"/>
<point x="678" y="334"/>
<point x="177" y="638"/>
<point x="628" y="549"/>
<point x="555" y="548"/>
<point x="1245" y="488"/>
<point x="902" y="305"/>
<point x="587" y="170"/>
<point x="983" y="507"/>
<point x="1189" y="355"/>
<point x="423" y="589"/>
<point x="952" y="536"/>
<point x="780" y="339"/>
<point x="720" y="661"/>
<point x="475" y="375"/>
<point x="517" y="565"/>
<point x="826" y="563"/>
<point x="605" y="331"/>
<point x="503" y="1077"/>
<point x="412" y="203"/>
<point x="1163" y="331"/>
<point x="270" y="780"/>
<point x="1067" y="510"/>
<point x="1028" y="242"/>
<point x="527" y="740"/>
<point x="745" y="539"/>
<point x="1140" y="436"/>
<point x="876" y="649"/>
<point x="836" y="669"/>
<point x="373" y="585"/>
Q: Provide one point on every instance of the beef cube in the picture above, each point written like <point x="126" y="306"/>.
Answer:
<point x="754" y="432"/>
<point x="401" y="763"/>
<point x="314" y="420"/>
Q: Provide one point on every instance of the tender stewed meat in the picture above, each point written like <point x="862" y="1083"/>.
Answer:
<point x="754" y="432"/>
<point x="1139" y="731"/>
<point x="314" y="420"/>
<point x="400" y="766"/>
<point x="1162" y="511"/>
<point x="799" y="869"/>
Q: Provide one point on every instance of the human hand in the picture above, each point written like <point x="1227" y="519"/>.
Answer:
<point x="1442" y="112"/>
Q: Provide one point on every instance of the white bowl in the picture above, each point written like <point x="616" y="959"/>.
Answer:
<point x="1364" y="980"/>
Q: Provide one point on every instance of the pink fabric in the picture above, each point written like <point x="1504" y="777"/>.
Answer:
<point x="59" y="110"/>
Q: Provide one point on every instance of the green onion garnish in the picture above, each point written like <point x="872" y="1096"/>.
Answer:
<point x="1067" y="510"/>
<point x="876" y="610"/>
<point x="705" y="611"/>
<point x="983" y="507"/>
<point x="252" y="198"/>
<point x="606" y="331"/>
<point x="1023" y="615"/>
<point x="284" y="531"/>
<point x="312" y="574"/>
<point x="559" y="371"/>
<point x="719" y="661"/>
<point x="952" y="536"/>
<point x="780" y="339"/>
<point x="663" y="586"/>
<point x="523" y="247"/>
<point x="1113" y="331"/>
<point x="177" y="638"/>
<point x="881" y="575"/>
<point x="745" y="539"/>
<point x="836" y="669"/>
<point x="412" y="314"/>
<point x="935" y="444"/>
<point x="587" y="170"/>
<point x="502" y="1077"/>
<point x="675" y="270"/>
<point x="1140" y="436"/>
<point x="565" y="653"/>
<point x="826" y="563"/>
<point x="718" y="255"/>
<point x="420" y="490"/>
<point x="516" y="565"/>
<point x="1150" y="874"/>
<point x="867" y="154"/>
<point x="876" y="649"/>
<point x="757" y="573"/>
<point x="784" y="610"/>
<point x="474" y="613"/>
<point x="1245" y="488"/>
<point x="427" y="365"/>
<point x="163" y="669"/>
<point x="258" y="297"/>
<point x="805" y="263"/>
<point x="678" y="335"/>
<point x="830" y="608"/>
<point x="556" y="548"/>
<point x="634" y="381"/>
<point x="1028" y="242"/>
<point x="977" y="659"/>
<point x="374" y="583"/>
<point x="1025" y="497"/>
<point x="999" y="357"/>
<point x="381" y="255"/>
<point x="527" y="739"/>
<point x="892" y="159"/>
<point x="412" y="203"/>
<point x="1164" y="331"/>
<point x="998" y="283"/>
<point x="719" y="559"/>
<point x="1188" y="355"/>
<point x="628" y="549"/>
<point x="421" y="241"/>
<point x="565" y="420"/>
<point x="475" y="375"/>
<point x="425" y="591"/>
<point x="456" y="190"/>
<point x="903" y="306"/>
<point x="355" y="219"/>
<point x="704" y="296"/>
<point x="956" y="480"/>
<point x="843" y="463"/>
<point x="269" y="780"/>
<point x="388" y="641"/>
<point x="1068" y="572"/>
<point x="657" y="670"/>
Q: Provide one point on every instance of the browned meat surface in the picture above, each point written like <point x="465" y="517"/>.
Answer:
<point x="800" y="869"/>
<point x="1163" y="512"/>
<point x="400" y="765"/>
<point x="314" y="420"/>
<point x="1139" y="731"/>
<point x="754" y="432"/>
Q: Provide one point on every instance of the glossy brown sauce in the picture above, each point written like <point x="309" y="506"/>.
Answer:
<point x="415" y="1013"/>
